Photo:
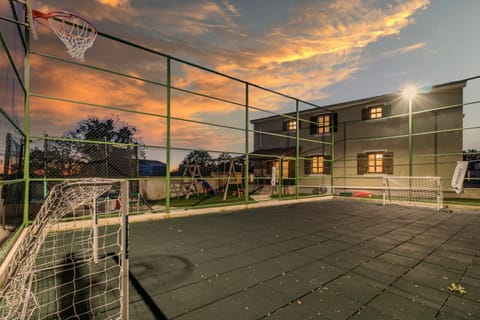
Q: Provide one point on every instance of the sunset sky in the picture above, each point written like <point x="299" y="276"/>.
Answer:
<point x="325" y="52"/>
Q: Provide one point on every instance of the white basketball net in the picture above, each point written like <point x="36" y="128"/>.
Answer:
<point x="76" y="33"/>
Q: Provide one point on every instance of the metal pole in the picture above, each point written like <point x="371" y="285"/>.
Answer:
<point x="26" y="120"/>
<point x="106" y="156"/>
<point x="332" y="155"/>
<point x="297" y="150"/>
<point x="168" y="151"/>
<point x="410" y="137"/>
<point x="280" y="177"/>
<point x="45" y="165"/>
<point x="95" y="229"/>
<point x="246" y="167"/>
<point x="124" y="211"/>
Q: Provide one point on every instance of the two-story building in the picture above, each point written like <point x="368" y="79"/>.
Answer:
<point x="351" y="145"/>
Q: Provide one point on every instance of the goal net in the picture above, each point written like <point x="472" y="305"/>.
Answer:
<point x="73" y="261"/>
<point x="413" y="191"/>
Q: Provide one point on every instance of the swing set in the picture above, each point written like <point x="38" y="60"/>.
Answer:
<point x="193" y="183"/>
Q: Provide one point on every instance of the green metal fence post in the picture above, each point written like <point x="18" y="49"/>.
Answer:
<point x="168" y="141"/>
<point x="410" y="145"/>
<point x="280" y="177"/>
<point x="332" y="157"/>
<point x="26" y="116"/>
<point x="246" y="164"/>
<point x="297" y="150"/>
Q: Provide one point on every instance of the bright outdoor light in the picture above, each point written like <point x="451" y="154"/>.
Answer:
<point x="410" y="92"/>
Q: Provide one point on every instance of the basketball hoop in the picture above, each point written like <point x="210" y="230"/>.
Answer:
<point x="77" y="33"/>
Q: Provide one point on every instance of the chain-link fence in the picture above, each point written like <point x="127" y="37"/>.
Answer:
<point x="12" y="136"/>
<point x="188" y="136"/>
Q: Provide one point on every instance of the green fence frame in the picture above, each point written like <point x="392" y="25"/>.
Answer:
<point x="248" y="108"/>
<point x="245" y="130"/>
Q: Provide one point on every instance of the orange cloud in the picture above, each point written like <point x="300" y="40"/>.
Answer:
<point x="330" y="32"/>
<point x="114" y="3"/>
<point x="403" y="50"/>
<point x="321" y="44"/>
<point x="107" y="95"/>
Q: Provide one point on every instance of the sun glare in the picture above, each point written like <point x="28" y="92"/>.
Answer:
<point x="409" y="92"/>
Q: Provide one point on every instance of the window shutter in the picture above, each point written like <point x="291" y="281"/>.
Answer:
<point x="362" y="163"/>
<point x="313" y="125"/>
<point x="327" y="164"/>
<point x="387" y="110"/>
<point x="285" y="125"/>
<point x="365" y="114"/>
<point x="388" y="163"/>
<point x="269" y="169"/>
<point x="291" y="168"/>
<point x="307" y="166"/>
<point x="334" y="122"/>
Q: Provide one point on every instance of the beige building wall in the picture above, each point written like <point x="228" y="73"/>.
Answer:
<point x="437" y="118"/>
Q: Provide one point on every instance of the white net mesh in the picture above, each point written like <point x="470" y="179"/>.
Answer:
<point x="413" y="191"/>
<point x="74" y="269"/>
<point x="74" y="31"/>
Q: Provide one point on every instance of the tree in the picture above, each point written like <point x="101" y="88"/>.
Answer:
<point x="197" y="157"/>
<point x="223" y="161"/>
<point x="90" y="150"/>
<point x="104" y="130"/>
<point x="471" y="155"/>
<point x="473" y="174"/>
<point x="53" y="160"/>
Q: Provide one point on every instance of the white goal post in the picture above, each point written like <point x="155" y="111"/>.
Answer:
<point x="413" y="191"/>
<point x="73" y="261"/>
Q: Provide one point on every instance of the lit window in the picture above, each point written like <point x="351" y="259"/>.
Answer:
<point x="375" y="162"/>
<point x="285" y="167"/>
<point x="317" y="164"/>
<point x="323" y="123"/>
<point x="291" y="125"/>
<point x="376" y="112"/>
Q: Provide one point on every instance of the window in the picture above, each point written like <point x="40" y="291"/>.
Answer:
<point x="375" y="162"/>
<point x="374" y="112"/>
<point x="323" y="123"/>
<point x="290" y="125"/>
<point x="285" y="167"/>
<point x="318" y="164"/>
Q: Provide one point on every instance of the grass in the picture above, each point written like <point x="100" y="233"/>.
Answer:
<point x="451" y="201"/>
<point x="292" y="196"/>
<point x="463" y="202"/>
<point x="203" y="200"/>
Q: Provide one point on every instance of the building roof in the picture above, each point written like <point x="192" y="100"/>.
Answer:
<point x="287" y="151"/>
<point x="363" y="101"/>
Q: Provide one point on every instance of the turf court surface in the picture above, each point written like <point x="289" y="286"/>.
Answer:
<point x="330" y="259"/>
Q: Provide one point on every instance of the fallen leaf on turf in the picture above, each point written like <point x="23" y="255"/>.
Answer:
<point x="457" y="288"/>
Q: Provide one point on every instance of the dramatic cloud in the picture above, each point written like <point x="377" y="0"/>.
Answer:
<point x="323" y="40"/>
<point x="403" y="50"/>
<point x="302" y="49"/>
<point x="114" y="3"/>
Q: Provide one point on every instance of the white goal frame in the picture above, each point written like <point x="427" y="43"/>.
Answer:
<point x="73" y="261"/>
<point x="413" y="191"/>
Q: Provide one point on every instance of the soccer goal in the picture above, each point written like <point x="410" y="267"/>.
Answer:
<point x="413" y="191"/>
<point x="73" y="261"/>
